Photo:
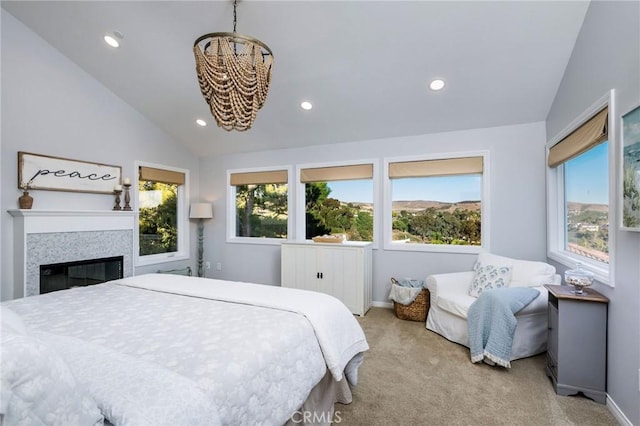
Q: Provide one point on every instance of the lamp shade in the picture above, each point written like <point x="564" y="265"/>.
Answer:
<point x="201" y="211"/>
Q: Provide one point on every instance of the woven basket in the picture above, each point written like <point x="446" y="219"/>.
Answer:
<point x="416" y="311"/>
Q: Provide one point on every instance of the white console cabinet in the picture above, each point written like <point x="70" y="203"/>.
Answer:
<point x="340" y="270"/>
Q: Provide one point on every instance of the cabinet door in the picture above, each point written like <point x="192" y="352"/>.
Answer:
<point x="342" y="275"/>
<point x="299" y="267"/>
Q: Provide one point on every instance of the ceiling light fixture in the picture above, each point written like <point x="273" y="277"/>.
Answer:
<point x="436" y="85"/>
<point x="113" y="39"/>
<point x="201" y="122"/>
<point x="234" y="73"/>
<point x="306" y="105"/>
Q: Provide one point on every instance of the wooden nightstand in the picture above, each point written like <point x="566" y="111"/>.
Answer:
<point x="577" y="342"/>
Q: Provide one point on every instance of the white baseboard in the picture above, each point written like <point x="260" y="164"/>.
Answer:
<point x="387" y="305"/>
<point x="615" y="410"/>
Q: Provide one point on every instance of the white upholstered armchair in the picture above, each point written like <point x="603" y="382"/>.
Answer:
<point x="451" y="299"/>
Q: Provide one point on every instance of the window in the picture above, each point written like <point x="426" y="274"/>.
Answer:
<point x="259" y="205"/>
<point x="436" y="204"/>
<point x="162" y="223"/>
<point x="587" y="204"/>
<point x="579" y="194"/>
<point x="338" y="199"/>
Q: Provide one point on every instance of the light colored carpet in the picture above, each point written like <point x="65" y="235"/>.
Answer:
<point x="412" y="376"/>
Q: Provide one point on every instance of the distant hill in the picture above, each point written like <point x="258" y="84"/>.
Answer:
<point x="582" y="207"/>
<point x="419" y="205"/>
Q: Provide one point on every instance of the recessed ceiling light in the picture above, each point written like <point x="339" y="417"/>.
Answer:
<point x="113" y="38"/>
<point x="306" y="105"/>
<point x="111" y="41"/>
<point x="436" y="84"/>
<point x="201" y="122"/>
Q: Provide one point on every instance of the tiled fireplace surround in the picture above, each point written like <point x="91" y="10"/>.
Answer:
<point x="42" y="237"/>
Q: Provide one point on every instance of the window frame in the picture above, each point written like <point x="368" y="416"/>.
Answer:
<point x="440" y="248"/>
<point x="556" y="213"/>
<point x="183" y="252"/>
<point x="300" y="217"/>
<point x="231" y="236"/>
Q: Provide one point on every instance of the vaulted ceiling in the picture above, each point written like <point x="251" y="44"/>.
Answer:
<point x="365" y="65"/>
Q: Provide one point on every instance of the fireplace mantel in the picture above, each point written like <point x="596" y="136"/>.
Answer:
<point x="50" y="236"/>
<point x="40" y="221"/>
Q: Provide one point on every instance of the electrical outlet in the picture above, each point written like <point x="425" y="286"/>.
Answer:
<point x="207" y="265"/>
<point x="218" y="266"/>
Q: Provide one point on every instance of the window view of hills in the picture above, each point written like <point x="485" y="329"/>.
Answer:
<point x="435" y="222"/>
<point x="588" y="230"/>
<point x="262" y="213"/>
<point x="326" y="215"/>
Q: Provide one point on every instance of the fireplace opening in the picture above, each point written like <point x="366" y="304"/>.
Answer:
<point x="61" y="276"/>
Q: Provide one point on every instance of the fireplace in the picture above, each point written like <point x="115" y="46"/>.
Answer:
<point x="48" y="237"/>
<point x="61" y="276"/>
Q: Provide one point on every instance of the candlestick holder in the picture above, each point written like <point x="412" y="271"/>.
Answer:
<point x="127" y="197"/>
<point x="117" y="205"/>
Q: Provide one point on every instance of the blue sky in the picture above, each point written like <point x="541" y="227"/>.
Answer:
<point x="586" y="179"/>
<point x="352" y="190"/>
<point x="446" y="189"/>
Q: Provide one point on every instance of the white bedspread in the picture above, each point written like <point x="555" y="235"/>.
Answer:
<point x="130" y="391"/>
<point x="270" y="358"/>
<point x="339" y="334"/>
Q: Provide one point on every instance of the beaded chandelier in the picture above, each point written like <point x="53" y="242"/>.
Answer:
<point x="234" y="72"/>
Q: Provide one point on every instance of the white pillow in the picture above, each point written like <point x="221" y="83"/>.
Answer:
<point x="38" y="388"/>
<point x="525" y="273"/>
<point x="489" y="276"/>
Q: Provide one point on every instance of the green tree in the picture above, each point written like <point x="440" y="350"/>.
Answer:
<point x="261" y="210"/>
<point x="423" y="223"/>
<point x="335" y="216"/>
<point x="158" y="222"/>
<point x="315" y="194"/>
<point x="432" y="226"/>
<point x="400" y="221"/>
<point x="363" y="226"/>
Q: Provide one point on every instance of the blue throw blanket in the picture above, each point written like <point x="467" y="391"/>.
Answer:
<point x="492" y="322"/>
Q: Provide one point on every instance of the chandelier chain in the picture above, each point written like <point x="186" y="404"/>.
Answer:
<point x="235" y="16"/>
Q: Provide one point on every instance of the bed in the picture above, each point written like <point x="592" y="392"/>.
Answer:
<point x="166" y="349"/>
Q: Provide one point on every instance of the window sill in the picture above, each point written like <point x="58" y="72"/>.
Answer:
<point x="601" y="271"/>
<point x="256" y="240"/>
<point x="154" y="259"/>
<point x="437" y="248"/>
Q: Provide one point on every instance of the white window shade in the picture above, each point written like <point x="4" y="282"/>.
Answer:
<point x="441" y="167"/>
<point x="258" y="178"/>
<point x="585" y="137"/>
<point x="335" y="173"/>
<point x="161" y="175"/>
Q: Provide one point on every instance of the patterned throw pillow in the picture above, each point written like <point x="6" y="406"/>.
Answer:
<point x="488" y="277"/>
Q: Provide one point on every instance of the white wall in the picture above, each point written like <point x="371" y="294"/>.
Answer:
<point x="606" y="56"/>
<point x="517" y="201"/>
<point x="50" y="106"/>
